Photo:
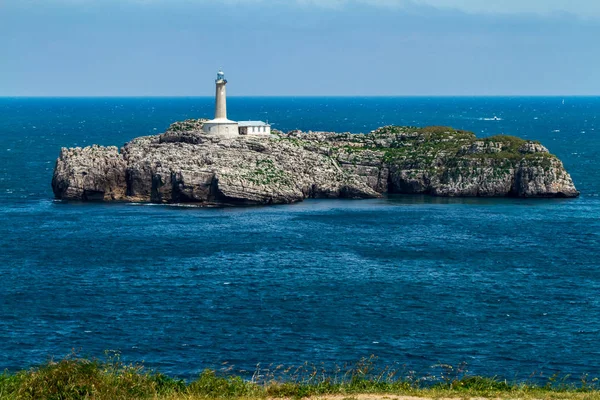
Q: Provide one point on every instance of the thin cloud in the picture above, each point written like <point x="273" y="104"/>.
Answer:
<point x="581" y="8"/>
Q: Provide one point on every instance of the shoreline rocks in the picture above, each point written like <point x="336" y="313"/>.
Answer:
<point x="184" y="165"/>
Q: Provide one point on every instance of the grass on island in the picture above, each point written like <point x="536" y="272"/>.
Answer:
<point x="111" y="379"/>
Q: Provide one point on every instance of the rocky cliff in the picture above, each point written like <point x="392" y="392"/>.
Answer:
<point x="184" y="165"/>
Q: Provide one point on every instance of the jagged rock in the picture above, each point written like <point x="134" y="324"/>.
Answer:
<point x="532" y="147"/>
<point x="184" y="165"/>
<point x="543" y="179"/>
<point x="91" y="173"/>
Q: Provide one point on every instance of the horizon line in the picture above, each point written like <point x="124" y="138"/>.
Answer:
<point x="297" y="96"/>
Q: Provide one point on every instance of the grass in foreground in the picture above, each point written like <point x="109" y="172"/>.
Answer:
<point x="80" y="378"/>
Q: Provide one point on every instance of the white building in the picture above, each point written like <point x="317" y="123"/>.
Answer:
<point x="254" y="128"/>
<point x="225" y="127"/>
<point x="221" y="126"/>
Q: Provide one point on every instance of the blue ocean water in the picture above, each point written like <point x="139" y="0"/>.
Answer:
<point x="509" y="286"/>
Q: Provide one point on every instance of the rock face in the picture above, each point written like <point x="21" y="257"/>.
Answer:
<point x="183" y="165"/>
<point x="91" y="173"/>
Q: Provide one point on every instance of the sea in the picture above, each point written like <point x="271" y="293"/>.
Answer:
<point x="507" y="287"/>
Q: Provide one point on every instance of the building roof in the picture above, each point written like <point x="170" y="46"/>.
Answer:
<point x="220" y="121"/>
<point x="253" y="123"/>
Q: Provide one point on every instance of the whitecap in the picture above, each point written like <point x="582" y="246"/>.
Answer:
<point x="179" y="205"/>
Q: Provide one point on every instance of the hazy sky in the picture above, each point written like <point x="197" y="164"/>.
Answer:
<point x="299" y="47"/>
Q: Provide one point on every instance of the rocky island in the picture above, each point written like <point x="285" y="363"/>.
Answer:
<point x="186" y="165"/>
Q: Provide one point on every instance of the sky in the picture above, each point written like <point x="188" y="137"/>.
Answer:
<point x="300" y="47"/>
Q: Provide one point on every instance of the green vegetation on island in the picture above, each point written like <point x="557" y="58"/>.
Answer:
<point x="75" y="378"/>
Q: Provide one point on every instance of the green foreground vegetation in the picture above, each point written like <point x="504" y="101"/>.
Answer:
<point x="80" y="378"/>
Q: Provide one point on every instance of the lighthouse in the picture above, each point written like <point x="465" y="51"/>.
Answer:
<point x="221" y="96"/>
<point x="224" y="127"/>
<point x="221" y="125"/>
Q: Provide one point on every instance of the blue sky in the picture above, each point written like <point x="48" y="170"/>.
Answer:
<point x="299" y="47"/>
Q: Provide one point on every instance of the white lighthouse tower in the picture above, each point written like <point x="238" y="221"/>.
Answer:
<point x="221" y="125"/>
<point x="221" y="96"/>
